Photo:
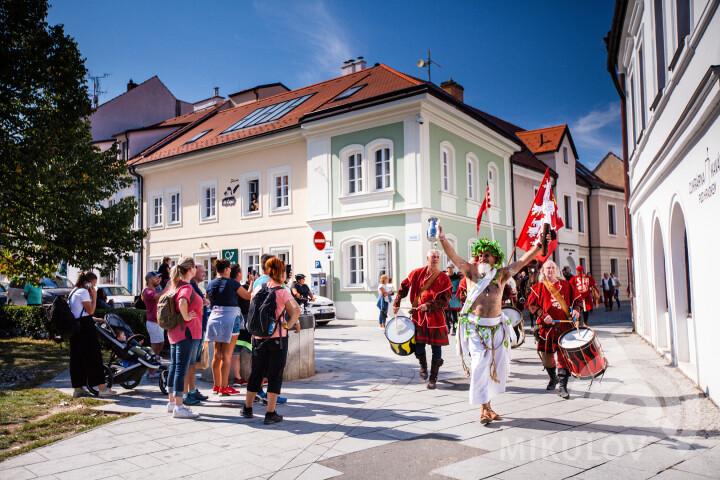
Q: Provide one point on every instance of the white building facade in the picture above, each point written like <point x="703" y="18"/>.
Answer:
<point x="666" y="55"/>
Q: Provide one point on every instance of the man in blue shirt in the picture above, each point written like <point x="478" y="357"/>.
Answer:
<point x="33" y="293"/>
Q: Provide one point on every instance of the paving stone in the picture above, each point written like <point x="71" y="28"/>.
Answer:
<point x="706" y="465"/>
<point x="17" y="473"/>
<point x="474" y="468"/>
<point x="541" y="469"/>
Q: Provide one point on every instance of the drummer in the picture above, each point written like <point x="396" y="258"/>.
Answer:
<point x="430" y="290"/>
<point x="483" y="331"/>
<point x="550" y="300"/>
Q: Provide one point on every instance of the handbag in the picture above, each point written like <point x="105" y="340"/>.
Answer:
<point x="204" y="361"/>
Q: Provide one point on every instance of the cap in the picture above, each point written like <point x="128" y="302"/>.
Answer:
<point x="151" y="275"/>
<point x="299" y="276"/>
<point x="580" y="268"/>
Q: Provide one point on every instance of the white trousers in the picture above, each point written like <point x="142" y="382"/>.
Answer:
<point x="482" y="387"/>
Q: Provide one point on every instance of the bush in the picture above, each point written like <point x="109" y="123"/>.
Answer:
<point x="33" y="322"/>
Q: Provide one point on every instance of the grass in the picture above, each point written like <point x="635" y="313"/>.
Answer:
<point x="32" y="417"/>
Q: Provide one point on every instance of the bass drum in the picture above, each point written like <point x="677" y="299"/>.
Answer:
<point x="400" y="332"/>
<point x="516" y="320"/>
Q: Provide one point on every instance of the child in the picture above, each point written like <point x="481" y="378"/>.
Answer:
<point x="145" y="352"/>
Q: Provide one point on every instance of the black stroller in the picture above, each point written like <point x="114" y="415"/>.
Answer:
<point x="128" y="361"/>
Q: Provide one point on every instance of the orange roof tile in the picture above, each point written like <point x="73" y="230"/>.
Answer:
<point x="543" y="140"/>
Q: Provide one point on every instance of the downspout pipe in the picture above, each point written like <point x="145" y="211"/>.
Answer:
<point x="139" y="178"/>
<point x="512" y="206"/>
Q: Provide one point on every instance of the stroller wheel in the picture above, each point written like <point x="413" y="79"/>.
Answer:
<point x="163" y="381"/>
<point x="131" y="384"/>
<point x="108" y="381"/>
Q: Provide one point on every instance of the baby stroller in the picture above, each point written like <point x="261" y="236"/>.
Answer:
<point x="128" y="361"/>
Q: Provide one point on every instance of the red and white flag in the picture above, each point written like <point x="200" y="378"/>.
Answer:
<point x="485" y="206"/>
<point x="544" y="210"/>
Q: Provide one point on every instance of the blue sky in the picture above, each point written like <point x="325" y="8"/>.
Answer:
<point x="533" y="63"/>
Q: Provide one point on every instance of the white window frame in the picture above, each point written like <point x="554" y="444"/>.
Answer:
<point x="345" y="153"/>
<point x="374" y="267"/>
<point x="154" y="263"/>
<point x="492" y="170"/>
<point x="581" y="216"/>
<point x="614" y="220"/>
<point x="245" y="263"/>
<point x="152" y="197"/>
<point x="245" y="203"/>
<point x="471" y="242"/>
<point x="472" y="170"/>
<point x="369" y="160"/>
<point x="567" y="214"/>
<point x="452" y="239"/>
<point x="282" y="249"/>
<point x="273" y="173"/>
<point x="451" y="187"/>
<point x="205" y="259"/>
<point x="345" y="250"/>
<point x="169" y="192"/>
<point x="202" y="187"/>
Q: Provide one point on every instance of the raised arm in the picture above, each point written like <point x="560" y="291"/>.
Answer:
<point x="513" y="268"/>
<point x="462" y="265"/>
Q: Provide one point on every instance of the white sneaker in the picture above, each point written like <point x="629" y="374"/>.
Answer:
<point x="181" y="411"/>
<point x="170" y="407"/>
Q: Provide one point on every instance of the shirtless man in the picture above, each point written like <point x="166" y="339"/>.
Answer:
<point x="483" y="331"/>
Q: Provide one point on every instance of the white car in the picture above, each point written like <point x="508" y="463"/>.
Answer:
<point x="121" y="296"/>
<point x="323" y="310"/>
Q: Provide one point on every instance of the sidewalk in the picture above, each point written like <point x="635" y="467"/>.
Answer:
<point x="366" y="414"/>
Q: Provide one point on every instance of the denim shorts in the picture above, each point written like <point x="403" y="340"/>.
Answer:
<point x="223" y="323"/>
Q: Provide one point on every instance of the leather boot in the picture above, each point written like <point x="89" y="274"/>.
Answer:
<point x="564" y="375"/>
<point x="553" y="378"/>
<point x="422" y="359"/>
<point x="434" y="370"/>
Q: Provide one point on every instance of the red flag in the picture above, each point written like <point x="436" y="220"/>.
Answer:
<point x="485" y="206"/>
<point x="544" y="210"/>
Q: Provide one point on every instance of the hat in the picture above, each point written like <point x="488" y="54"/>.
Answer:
<point x="299" y="276"/>
<point x="580" y="269"/>
<point x="151" y="275"/>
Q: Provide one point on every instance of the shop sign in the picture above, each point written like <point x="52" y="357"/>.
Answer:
<point x="704" y="182"/>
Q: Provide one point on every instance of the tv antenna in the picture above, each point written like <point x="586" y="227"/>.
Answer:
<point x="427" y="63"/>
<point x="96" y="88"/>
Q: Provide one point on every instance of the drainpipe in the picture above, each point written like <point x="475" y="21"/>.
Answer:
<point x="512" y="205"/>
<point x="139" y="178"/>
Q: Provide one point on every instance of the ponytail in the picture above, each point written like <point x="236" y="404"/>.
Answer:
<point x="85" y="277"/>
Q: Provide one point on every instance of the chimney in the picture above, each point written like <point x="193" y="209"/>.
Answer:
<point x="453" y="88"/>
<point x="131" y="85"/>
<point x="352" y="66"/>
<point x="217" y="91"/>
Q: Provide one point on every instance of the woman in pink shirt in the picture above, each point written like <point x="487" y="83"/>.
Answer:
<point x="270" y="353"/>
<point x="185" y="339"/>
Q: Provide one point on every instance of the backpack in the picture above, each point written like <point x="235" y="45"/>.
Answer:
<point x="261" y="321"/>
<point x="139" y="303"/>
<point x="168" y="316"/>
<point x="61" y="316"/>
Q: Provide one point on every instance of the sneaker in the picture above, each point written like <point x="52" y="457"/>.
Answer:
<point x="196" y="393"/>
<point x="227" y="391"/>
<point x="247" y="412"/>
<point x="263" y="397"/>
<point x="181" y="411"/>
<point x="190" y="400"/>
<point x="170" y="407"/>
<point x="79" y="392"/>
<point x="272" y="417"/>
<point x="107" y="393"/>
<point x="216" y="389"/>
<point x="239" y="382"/>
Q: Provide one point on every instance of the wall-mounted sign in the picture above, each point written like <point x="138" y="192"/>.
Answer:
<point x="703" y="183"/>
<point x="319" y="240"/>
<point x="330" y="253"/>
<point x="229" y="195"/>
<point x="414" y="238"/>
<point x="322" y="282"/>
<point x="317" y="264"/>
<point x="230" y="255"/>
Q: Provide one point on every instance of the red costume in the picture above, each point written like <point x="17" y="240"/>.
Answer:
<point x="545" y="304"/>
<point x="583" y="287"/>
<point x="461" y="293"/>
<point x="430" y="325"/>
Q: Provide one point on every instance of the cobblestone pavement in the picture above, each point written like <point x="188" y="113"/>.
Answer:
<point x="366" y="414"/>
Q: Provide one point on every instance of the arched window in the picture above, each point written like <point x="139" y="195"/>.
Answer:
<point x="353" y="169"/>
<point x="447" y="168"/>
<point x="380" y="155"/>
<point x="471" y="174"/>
<point x="493" y="182"/>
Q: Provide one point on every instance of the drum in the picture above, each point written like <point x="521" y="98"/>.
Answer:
<point x="400" y="332"/>
<point x="516" y="318"/>
<point x="581" y="348"/>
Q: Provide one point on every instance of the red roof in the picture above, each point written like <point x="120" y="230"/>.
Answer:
<point x="377" y="80"/>
<point x="188" y="117"/>
<point x="543" y="140"/>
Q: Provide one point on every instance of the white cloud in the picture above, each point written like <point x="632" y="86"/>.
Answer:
<point x="310" y="26"/>
<point x="598" y="132"/>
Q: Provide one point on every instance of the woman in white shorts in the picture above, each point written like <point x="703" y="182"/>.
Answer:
<point x="224" y="323"/>
<point x="151" y="297"/>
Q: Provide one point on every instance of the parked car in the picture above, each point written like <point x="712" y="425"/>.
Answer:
<point x="51" y="287"/>
<point x="323" y="310"/>
<point x="121" y="296"/>
<point x="3" y="295"/>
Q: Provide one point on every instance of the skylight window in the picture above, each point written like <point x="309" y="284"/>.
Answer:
<point x="267" y="114"/>
<point x="198" y="136"/>
<point x="350" y="92"/>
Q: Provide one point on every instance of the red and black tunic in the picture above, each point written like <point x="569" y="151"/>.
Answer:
<point x="543" y="300"/>
<point x="430" y="326"/>
<point x="582" y="288"/>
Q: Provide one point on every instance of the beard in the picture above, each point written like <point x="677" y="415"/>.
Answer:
<point x="484" y="268"/>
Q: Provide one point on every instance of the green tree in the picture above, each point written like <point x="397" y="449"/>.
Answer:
<point x="52" y="179"/>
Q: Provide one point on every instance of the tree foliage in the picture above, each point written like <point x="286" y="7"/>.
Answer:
<point x="52" y="179"/>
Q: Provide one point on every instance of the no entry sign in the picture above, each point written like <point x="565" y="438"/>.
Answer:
<point x="319" y="240"/>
